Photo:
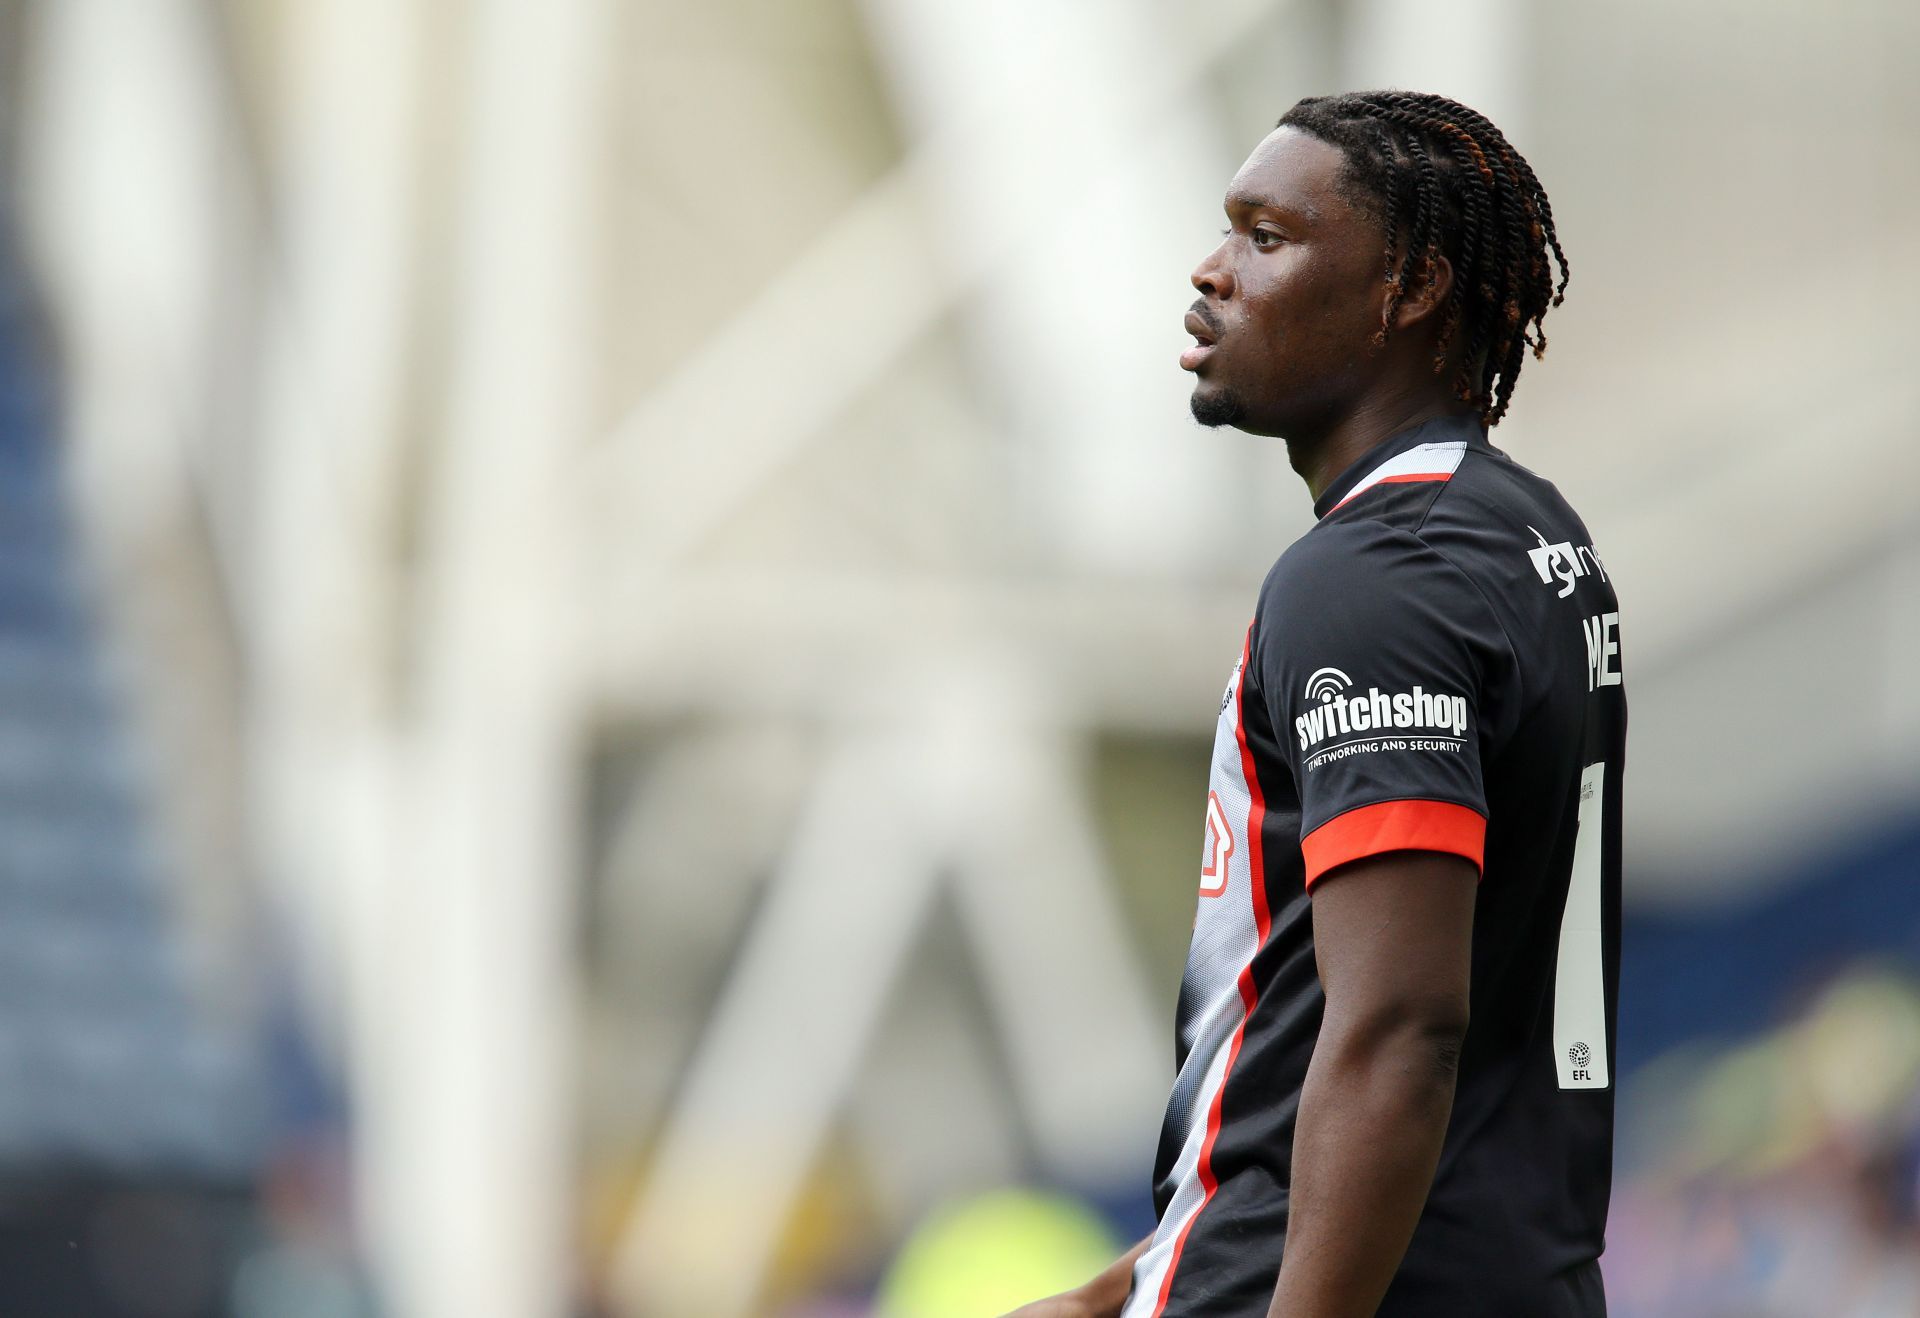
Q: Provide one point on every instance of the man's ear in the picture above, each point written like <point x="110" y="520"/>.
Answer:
<point x="1427" y="291"/>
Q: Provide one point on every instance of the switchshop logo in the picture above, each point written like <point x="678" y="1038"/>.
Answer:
<point x="1332" y="712"/>
<point x="1326" y="683"/>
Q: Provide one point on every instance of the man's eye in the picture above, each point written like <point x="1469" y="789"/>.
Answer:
<point x="1265" y="238"/>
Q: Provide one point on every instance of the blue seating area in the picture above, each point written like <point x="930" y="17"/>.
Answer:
<point x="109" y="1075"/>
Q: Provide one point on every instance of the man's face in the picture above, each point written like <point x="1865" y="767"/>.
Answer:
<point x="1290" y="300"/>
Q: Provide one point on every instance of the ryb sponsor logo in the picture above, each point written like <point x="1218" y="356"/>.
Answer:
<point x="1566" y="561"/>
<point x="1339" y="714"/>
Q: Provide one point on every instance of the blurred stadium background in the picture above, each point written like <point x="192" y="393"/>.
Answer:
<point x="609" y="618"/>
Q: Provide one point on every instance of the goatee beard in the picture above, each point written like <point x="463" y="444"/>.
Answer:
<point x="1218" y="407"/>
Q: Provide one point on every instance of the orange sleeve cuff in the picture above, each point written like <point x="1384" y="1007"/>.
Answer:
<point x="1372" y="830"/>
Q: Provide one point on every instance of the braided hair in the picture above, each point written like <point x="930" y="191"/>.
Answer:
<point x="1445" y="181"/>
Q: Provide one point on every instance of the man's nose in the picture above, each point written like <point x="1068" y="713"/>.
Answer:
<point x="1213" y="278"/>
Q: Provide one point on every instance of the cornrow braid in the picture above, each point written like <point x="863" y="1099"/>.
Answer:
<point x="1446" y="182"/>
<point x="1421" y="188"/>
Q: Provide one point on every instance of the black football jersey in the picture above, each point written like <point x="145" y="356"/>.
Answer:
<point x="1435" y="666"/>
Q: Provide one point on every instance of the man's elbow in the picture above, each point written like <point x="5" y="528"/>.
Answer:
<point x="1420" y="1039"/>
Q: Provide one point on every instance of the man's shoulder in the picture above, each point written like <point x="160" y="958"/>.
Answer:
<point x="1496" y="522"/>
<point x="1474" y="537"/>
<point x="1495" y="498"/>
<point x="1482" y="522"/>
<point x="1352" y="557"/>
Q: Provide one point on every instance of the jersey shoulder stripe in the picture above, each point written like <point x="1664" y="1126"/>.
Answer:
<point x="1419" y="464"/>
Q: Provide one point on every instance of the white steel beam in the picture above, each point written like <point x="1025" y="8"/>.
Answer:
<point x="951" y="786"/>
<point x="852" y="303"/>
<point x="491" y="870"/>
<point x="783" y="1043"/>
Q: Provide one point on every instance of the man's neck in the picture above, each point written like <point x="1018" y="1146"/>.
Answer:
<point x="1320" y="460"/>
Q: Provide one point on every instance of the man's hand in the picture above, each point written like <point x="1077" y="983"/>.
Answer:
<point x="1103" y="1297"/>
<point x="1069" y="1305"/>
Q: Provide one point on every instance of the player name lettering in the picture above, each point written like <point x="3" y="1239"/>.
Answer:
<point x="1603" y="649"/>
<point x="1339" y="714"/>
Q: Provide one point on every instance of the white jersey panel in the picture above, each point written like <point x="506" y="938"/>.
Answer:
<point x="1226" y="934"/>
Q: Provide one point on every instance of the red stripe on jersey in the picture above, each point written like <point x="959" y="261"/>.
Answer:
<point x="1249" y="993"/>
<point x="1408" y="479"/>
<point x="1372" y="830"/>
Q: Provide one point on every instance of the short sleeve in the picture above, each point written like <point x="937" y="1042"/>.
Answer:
<point x="1376" y="655"/>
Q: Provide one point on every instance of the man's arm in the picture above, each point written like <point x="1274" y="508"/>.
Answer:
<point x="1393" y="936"/>
<point x="1100" y="1298"/>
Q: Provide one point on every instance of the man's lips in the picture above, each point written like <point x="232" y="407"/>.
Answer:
<point x="1204" y="340"/>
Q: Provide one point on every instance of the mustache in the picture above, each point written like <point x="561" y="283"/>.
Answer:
<point x="1203" y="313"/>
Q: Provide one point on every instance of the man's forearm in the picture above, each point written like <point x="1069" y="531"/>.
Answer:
<point x="1373" y="1115"/>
